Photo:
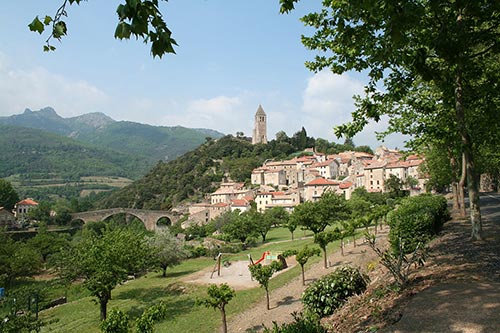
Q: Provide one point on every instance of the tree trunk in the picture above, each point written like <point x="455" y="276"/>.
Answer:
<point x="454" y="180"/>
<point x="461" y="186"/>
<point x="103" y="304"/>
<point x="472" y="179"/>
<point x="164" y="271"/>
<point x="224" y="321"/>
<point x="267" y="298"/>
<point x="324" y="258"/>
<point x="303" y="275"/>
<point x="342" y="246"/>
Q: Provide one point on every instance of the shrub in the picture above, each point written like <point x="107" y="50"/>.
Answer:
<point x="116" y="322"/>
<point x="145" y="323"/>
<point x="416" y="221"/>
<point x="331" y="291"/>
<point x="301" y="324"/>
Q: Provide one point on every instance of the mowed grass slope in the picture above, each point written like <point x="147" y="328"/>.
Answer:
<point x="184" y="316"/>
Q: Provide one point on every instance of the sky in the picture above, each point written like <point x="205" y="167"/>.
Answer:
<point x="233" y="56"/>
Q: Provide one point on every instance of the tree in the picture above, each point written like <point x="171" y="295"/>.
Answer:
<point x="218" y="298"/>
<point x="394" y="185"/>
<point x="138" y="18"/>
<point x="242" y="227"/>
<point x="316" y="216"/>
<point x="48" y="243"/>
<point x="8" y="196"/>
<point x="104" y="261"/>
<point x="324" y="238"/>
<point x="263" y="274"/>
<point x="303" y="256"/>
<point x="292" y="224"/>
<point x="277" y="216"/>
<point x="17" y="259"/>
<point x="167" y="250"/>
<point x="41" y="212"/>
<point x="443" y="44"/>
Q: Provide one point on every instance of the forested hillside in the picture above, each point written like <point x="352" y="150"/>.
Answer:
<point x="37" y="154"/>
<point x="198" y="172"/>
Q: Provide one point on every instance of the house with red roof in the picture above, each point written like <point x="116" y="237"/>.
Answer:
<point x="24" y="206"/>
<point x="314" y="189"/>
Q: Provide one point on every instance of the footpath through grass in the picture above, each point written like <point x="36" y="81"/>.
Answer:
<point x="184" y="316"/>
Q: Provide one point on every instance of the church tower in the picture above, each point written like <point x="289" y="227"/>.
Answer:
<point x="260" y="127"/>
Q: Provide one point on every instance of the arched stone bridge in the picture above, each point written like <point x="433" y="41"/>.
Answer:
<point x="148" y="217"/>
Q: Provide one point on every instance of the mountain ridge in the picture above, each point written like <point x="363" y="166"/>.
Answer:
<point x="153" y="143"/>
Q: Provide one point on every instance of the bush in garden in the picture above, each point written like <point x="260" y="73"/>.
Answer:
<point x="301" y="324"/>
<point x="145" y="323"/>
<point x="416" y="220"/>
<point x="331" y="291"/>
<point x="115" y="322"/>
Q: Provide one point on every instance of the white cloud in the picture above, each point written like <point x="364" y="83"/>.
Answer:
<point x="36" y="88"/>
<point x="328" y="102"/>
<point x="222" y="113"/>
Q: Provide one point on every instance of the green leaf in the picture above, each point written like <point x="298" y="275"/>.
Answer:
<point x="59" y="29"/>
<point x="36" y="25"/>
<point x="122" y="31"/>
<point x="47" y="20"/>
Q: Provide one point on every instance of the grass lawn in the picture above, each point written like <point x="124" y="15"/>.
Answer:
<point x="133" y="297"/>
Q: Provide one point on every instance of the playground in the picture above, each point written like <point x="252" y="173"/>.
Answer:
<point x="235" y="273"/>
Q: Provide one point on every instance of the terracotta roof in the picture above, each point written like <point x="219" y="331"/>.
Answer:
<point x="239" y="202"/>
<point x="322" y="181"/>
<point x="29" y="202"/>
<point x="345" y="185"/>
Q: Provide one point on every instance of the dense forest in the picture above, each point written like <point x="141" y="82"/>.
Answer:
<point x="198" y="172"/>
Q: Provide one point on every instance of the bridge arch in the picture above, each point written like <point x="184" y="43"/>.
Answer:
<point x="149" y="218"/>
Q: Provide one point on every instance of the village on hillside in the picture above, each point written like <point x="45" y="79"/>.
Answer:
<point x="288" y="183"/>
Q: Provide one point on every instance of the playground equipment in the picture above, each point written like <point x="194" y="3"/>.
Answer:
<point x="218" y="262"/>
<point x="268" y="257"/>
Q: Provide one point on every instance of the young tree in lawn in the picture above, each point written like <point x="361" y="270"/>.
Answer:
<point x="292" y="224"/>
<point x="303" y="255"/>
<point x="218" y="298"/>
<point x="263" y="274"/>
<point x="103" y="261"/>
<point x="324" y="238"/>
<point x="168" y="251"/>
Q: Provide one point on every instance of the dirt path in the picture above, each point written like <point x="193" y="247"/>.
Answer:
<point x="458" y="290"/>
<point x="464" y="279"/>
<point x="286" y="299"/>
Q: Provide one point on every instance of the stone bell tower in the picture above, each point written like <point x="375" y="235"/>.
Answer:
<point x="260" y="127"/>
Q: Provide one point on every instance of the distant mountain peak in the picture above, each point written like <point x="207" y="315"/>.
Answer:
<point x="94" y="119"/>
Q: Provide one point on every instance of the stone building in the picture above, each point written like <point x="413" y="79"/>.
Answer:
<point x="260" y="127"/>
<point x="7" y="219"/>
